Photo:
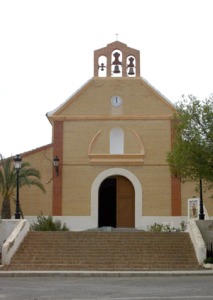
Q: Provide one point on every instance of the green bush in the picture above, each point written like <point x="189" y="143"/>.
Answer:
<point x="166" y="228"/>
<point x="208" y="260"/>
<point x="47" y="224"/>
<point x="183" y="226"/>
<point x="155" y="227"/>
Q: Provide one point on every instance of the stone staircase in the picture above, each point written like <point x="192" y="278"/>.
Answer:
<point x="110" y="251"/>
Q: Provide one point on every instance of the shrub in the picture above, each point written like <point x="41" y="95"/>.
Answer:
<point x="166" y="228"/>
<point x="208" y="260"/>
<point x="48" y="224"/>
<point x="155" y="227"/>
<point x="183" y="226"/>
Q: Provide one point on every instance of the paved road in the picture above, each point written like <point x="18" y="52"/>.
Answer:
<point x="104" y="288"/>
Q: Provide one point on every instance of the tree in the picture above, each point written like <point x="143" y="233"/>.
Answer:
<point x="191" y="157"/>
<point x="28" y="176"/>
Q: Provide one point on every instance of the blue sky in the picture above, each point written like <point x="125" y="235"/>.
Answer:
<point x="46" y="54"/>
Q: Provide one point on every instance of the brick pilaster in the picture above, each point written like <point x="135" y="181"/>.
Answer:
<point x="176" y="196"/>
<point x="57" y="181"/>
<point x="175" y="185"/>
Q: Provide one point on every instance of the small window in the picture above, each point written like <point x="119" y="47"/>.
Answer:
<point x="116" y="141"/>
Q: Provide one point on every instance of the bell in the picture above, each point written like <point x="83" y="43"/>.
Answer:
<point x="116" y="70"/>
<point x="102" y="66"/>
<point x="131" y="71"/>
<point x="116" y="61"/>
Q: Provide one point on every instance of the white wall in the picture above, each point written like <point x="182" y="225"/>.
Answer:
<point x="6" y="227"/>
<point x="83" y="223"/>
<point x="12" y="242"/>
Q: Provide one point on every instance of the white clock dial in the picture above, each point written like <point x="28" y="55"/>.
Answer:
<point x="116" y="101"/>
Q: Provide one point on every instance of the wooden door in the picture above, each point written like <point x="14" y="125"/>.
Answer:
<point x="125" y="203"/>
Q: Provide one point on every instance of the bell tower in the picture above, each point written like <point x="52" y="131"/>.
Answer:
<point x="116" y="60"/>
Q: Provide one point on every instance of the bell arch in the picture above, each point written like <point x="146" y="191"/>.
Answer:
<point x="116" y="63"/>
<point x="102" y="63"/>
<point x="114" y="172"/>
<point x="130" y="66"/>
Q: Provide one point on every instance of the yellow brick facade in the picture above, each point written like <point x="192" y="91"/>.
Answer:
<point x="32" y="200"/>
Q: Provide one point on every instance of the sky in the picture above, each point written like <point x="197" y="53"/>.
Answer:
<point x="47" y="47"/>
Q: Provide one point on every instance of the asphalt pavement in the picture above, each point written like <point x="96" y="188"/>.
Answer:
<point x="150" y="286"/>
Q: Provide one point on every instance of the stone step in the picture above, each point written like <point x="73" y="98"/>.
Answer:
<point x="105" y="251"/>
<point x="110" y="267"/>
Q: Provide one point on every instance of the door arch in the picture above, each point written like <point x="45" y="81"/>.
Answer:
<point x="95" y="193"/>
<point x="116" y="205"/>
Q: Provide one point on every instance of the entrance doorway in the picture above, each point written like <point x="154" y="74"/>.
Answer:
<point x="116" y="203"/>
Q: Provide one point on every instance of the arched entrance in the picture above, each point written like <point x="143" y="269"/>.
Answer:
<point x="116" y="203"/>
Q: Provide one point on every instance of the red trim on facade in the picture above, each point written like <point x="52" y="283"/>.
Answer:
<point x="175" y="185"/>
<point x="176" y="196"/>
<point x="57" y="181"/>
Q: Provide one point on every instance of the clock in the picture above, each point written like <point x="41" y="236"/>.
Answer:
<point x="116" y="101"/>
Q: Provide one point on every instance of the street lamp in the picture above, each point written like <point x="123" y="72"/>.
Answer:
<point x="201" y="214"/>
<point x="55" y="164"/>
<point x="17" y="164"/>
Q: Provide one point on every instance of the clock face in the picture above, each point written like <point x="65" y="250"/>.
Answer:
<point x="116" y="101"/>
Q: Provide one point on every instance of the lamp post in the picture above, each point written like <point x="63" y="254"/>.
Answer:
<point x="201" y="214"/>
<point x="17" y="164"/>
<point x="55" y="164"/>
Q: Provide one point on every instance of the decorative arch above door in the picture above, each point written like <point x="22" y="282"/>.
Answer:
<point x="115" y="172"/>
<point x="105" y="157"/>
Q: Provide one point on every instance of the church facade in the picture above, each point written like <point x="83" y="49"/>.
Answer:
<point x="111" y="138"/>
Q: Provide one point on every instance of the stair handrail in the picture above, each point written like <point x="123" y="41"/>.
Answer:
<point x="12" y="243"/>
<point x="198" y="241"/>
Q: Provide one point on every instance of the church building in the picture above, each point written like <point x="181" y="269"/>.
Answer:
<point x="111" y="139"/>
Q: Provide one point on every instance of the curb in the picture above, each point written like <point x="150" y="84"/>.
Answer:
<point x="103" y="273"/>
